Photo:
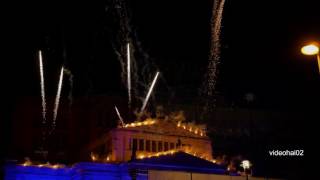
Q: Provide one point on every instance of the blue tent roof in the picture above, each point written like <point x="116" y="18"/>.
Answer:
<point x="179" y="161"/>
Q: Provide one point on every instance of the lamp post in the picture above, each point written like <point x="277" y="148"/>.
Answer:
<point x="246" y="165"/>
<point x="312" y="49"/>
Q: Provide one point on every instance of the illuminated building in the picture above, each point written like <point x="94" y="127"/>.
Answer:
<point x="152" y="137"/>
<point x="150" y="149"/>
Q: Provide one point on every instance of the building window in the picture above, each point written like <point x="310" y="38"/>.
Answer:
<point x="165" y="146"/>
<point x="141" y="144"/>
<point x="171" y="145"/>
<point x="148" y="145"/>
<point x="154" y="147"/>
<point x="178" y="145"/>
<point x="159" y="146"/>
<point x="134" y="144"/>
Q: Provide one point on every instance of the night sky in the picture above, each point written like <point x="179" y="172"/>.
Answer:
<point x="260" y="49"/>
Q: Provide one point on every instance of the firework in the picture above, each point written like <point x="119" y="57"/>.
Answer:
<point x="214" y="56"/>
<point x="129" y="74"/>
<point x="44" y="108"/>
<point x="56" y="104"/>
<point x="120" y="118"/>
<point x="149" y="93"/>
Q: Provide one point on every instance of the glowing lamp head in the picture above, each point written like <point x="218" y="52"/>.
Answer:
<point x="245" y="164"/>
<point x="310" y="49"/>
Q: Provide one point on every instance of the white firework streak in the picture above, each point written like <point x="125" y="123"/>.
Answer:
<point x="215" y="45"/>
<point x="216" y="27"/>
<point x="120" y="118"/>
<point x="56" y="103"/>
<point x="129" y="74"/>
<point x="43" y="96"/>
<point x="149" y="93"/>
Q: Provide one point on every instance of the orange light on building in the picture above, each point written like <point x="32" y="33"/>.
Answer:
<point x="27" y="162"/>
<point x="136" y="124"/>
<point x="179" y="124"/>
<point x="93" y="157"/>
<point x="56" y="166"/>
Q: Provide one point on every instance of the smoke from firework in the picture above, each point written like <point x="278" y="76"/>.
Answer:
<point x="70" y="75"/>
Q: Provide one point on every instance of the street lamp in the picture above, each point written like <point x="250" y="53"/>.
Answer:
<point x="245" y="164"/>
<point x="312" y="49"/>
